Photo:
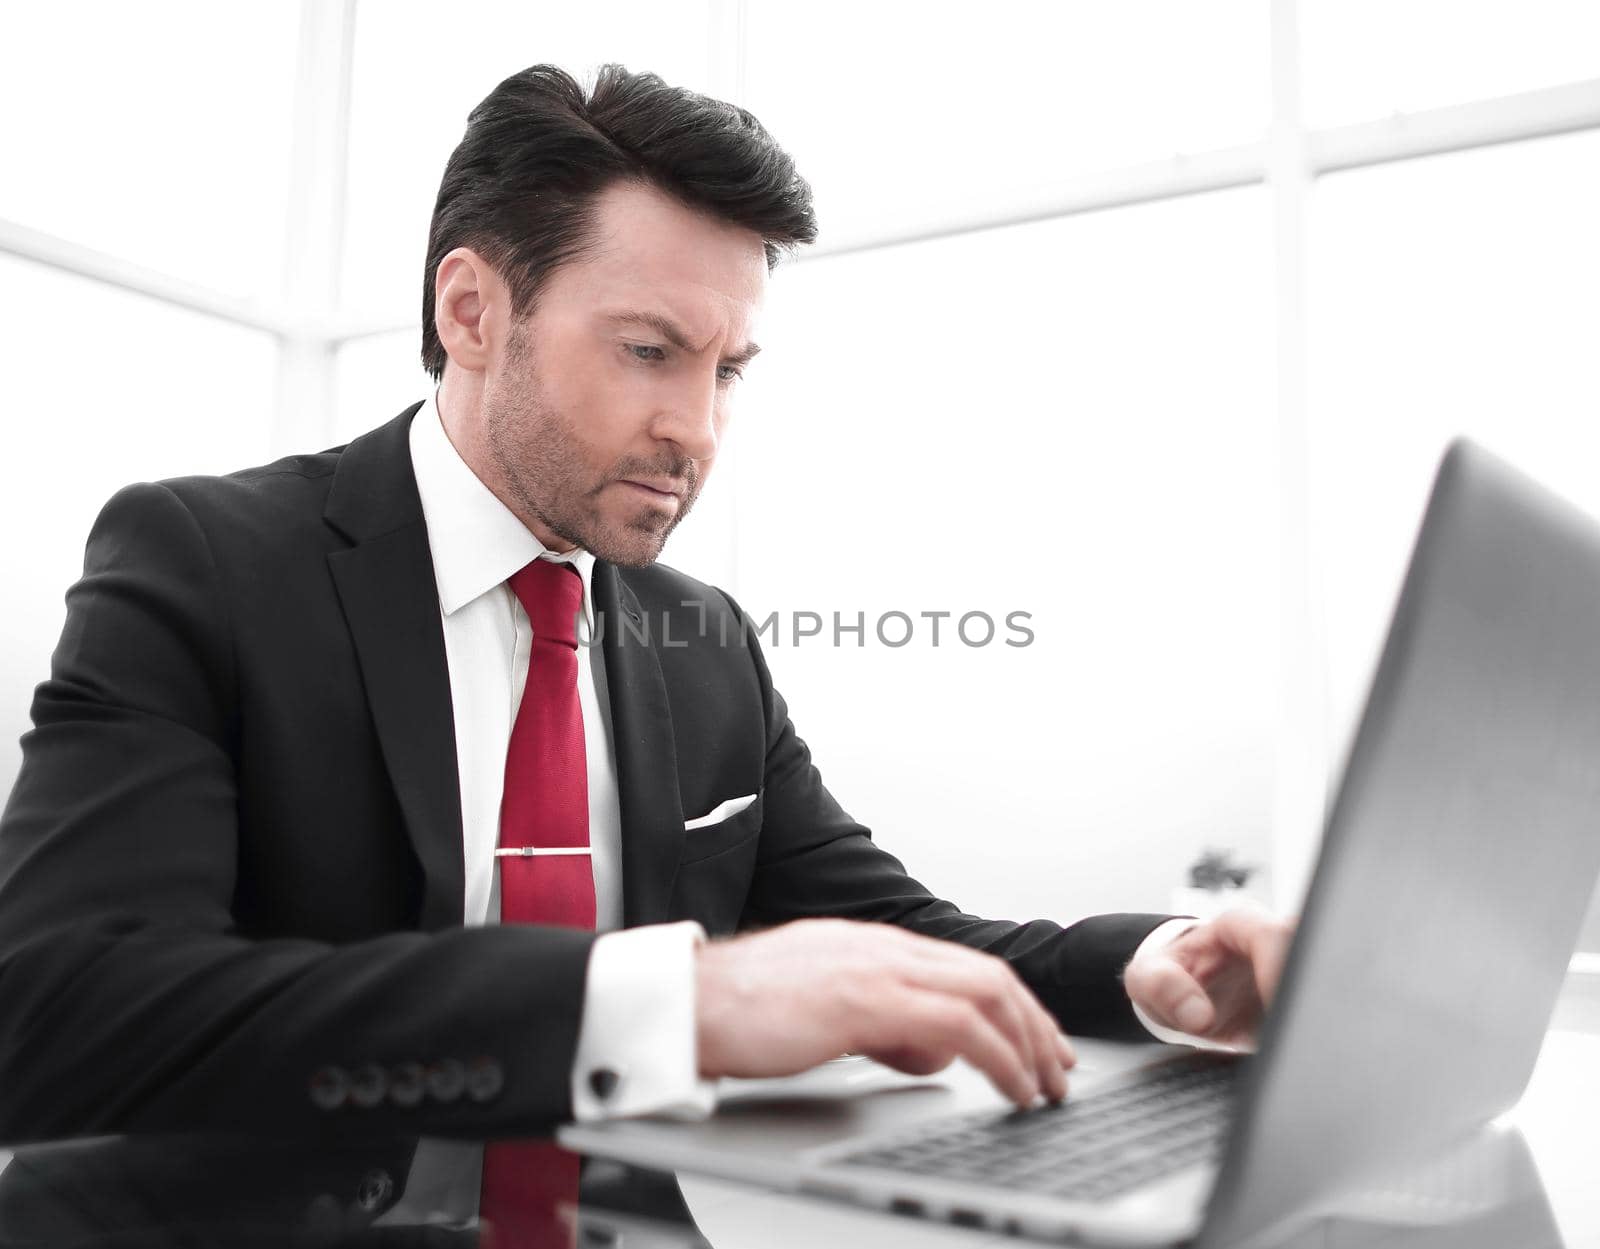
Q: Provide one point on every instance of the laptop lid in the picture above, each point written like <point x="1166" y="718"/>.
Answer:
<point x="1457" y="863"/>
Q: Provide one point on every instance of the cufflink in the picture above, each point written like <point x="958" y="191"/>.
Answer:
<point x="603" y="1081"/>
<point x="375" y="1189"/>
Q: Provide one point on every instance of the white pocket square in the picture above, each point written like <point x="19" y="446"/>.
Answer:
<point x="719" y="812"/>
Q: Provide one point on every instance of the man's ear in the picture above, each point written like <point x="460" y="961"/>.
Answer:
<point x="471" y="307"/>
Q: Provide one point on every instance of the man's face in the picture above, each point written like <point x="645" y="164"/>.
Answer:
<point x="603" y="415"/>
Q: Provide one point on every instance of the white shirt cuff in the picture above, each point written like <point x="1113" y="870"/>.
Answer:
<point x="1159" y="938"/>
<point x="636" y="1041"/>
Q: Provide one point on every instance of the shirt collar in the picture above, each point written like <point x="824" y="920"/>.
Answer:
<point x="477" y="542"/>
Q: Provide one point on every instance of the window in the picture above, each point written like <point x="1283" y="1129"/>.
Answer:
<point x="1048" y="419"/>
<point x="1368" y="59"/>
<point x="127" y="161"/>
<point x="906" y="114"/>
<point x="123" y="389"/>
<point x="410" y="98"/>
<point x="1450" y="295"/>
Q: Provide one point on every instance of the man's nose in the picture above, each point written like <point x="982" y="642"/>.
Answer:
<point x="690" y="419"/>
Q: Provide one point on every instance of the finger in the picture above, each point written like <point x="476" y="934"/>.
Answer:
<point x="982" y="979"/>
<point x="1009" y="1004"/>
<point x="1217" y="960"/>
<point x="1262" y="939"/>
<point x="1170" y="995"/>
<point x="947" y="1028"/>
<point x="1270" y="955"/>
<point x="932" y="1024"/>
<point x="1069" y="1060"/>
<point x="1053" y="1052"/>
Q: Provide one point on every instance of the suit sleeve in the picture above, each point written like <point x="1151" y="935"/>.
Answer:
<point x="815" y="861"/>
<point x="130" y="1001"/>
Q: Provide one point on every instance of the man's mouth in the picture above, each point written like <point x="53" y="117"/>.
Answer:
<point x="659" y="490"/>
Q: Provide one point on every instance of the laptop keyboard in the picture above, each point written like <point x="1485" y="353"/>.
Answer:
<point x="1086" y="1149"/>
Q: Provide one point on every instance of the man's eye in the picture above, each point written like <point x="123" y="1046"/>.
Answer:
<point x="636" y="348"/>
<point x="729" y="373"/>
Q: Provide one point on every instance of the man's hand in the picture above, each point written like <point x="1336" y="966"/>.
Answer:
<point x="782" y="1001"/>
<point x="1216" y="980"/>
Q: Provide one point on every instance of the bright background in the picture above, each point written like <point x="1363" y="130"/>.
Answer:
<point x="1146" y="317"/>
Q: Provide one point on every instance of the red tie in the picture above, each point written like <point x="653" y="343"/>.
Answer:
<point x="545" y="807"/>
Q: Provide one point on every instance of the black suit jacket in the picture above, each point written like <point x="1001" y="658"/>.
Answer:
<point x="233" y="858"/>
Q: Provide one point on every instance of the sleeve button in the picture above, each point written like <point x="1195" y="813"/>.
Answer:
<point x="446" y="1079"/>
<point x="604" y="1082"/>
<point x="329" y="1088"/>
<point x="485" y="1079"/>
<point x="368" y="1085"/>
<point x="407" y="1084"/>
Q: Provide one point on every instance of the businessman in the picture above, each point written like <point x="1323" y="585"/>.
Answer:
<point x="397" y="787"/>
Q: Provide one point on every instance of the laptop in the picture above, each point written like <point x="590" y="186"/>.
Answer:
<point x="1456" y="865"/>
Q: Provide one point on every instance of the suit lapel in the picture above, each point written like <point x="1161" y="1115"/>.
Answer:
<point x="386" y="586"/>
<point x="647" y="763"/>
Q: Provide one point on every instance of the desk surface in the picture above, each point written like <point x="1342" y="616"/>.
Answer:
<point x="145" y="1193"/>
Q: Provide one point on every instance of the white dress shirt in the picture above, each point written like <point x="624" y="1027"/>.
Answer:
<point x="638" y="1011"/>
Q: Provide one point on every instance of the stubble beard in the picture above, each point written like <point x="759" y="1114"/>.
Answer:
<point x="537" y="453"/>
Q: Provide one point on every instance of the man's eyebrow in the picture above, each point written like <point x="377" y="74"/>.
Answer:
<point x="668" y="330"/>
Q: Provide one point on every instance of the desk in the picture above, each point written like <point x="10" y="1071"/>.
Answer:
<point x="150" y="1193"/>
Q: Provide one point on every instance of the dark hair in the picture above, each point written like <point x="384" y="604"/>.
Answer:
<point x="520" y="187"/>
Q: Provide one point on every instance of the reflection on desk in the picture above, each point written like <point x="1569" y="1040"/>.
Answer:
<point x="1524" y="1182"/>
